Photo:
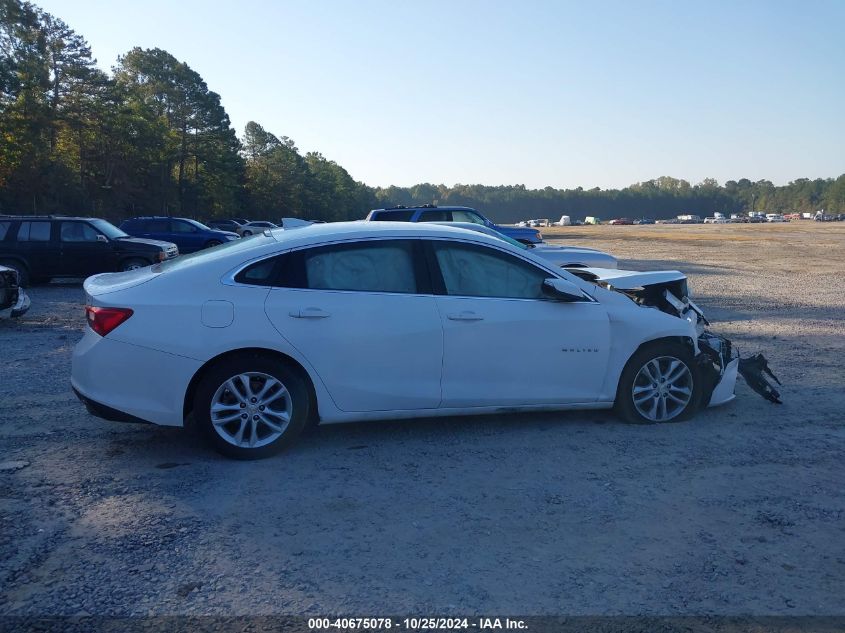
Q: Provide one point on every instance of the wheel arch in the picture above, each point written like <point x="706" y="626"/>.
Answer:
<point x="289" y="362"/>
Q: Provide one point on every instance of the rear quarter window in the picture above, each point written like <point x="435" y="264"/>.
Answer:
<point x="394" y="216"/>
<point x="4" y="230"/>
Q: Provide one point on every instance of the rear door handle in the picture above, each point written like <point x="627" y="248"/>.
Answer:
<point x="466" y="315"/>
<point x="309" y="313"/>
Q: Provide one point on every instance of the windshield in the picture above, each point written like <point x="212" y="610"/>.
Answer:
<point x="510" y="240"/>
<point x="108" y="229"/>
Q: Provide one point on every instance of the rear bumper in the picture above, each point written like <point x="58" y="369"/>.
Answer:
<point x="128" y="382"/>
<point x="100" y="410"/>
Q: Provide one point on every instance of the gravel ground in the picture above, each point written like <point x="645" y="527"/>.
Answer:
<point x="739" y="511"/>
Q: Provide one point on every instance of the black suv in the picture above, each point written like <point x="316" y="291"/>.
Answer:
<point x="47" y="246"/>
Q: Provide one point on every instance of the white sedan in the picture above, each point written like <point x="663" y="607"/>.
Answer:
<point x="360" y="321"/>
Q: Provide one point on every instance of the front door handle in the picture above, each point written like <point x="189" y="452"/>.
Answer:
<point x="466" y="315"/>
<point x="309" y="313"/>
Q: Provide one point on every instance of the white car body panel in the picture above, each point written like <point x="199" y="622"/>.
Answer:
<point x="364" y="373"/>
<point x="483" y="349"/>
<point x="379" y="356"/>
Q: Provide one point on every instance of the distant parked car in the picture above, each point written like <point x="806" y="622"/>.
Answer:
<point x="13" y="299"/>
<point x="713" y="220"/>
<point x="189" y="235"/>
<point x="259" y="226"/>
<point x="645" y="221"/>
<point x="431" y="213"/>
<point x="43" y="247"/>
<point x="623" y="221"/>
<point x="562" y="256"/>
<point x="225" y="225"/>
<point x="775" y="217"/>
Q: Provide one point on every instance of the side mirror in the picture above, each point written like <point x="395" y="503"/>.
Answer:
<point x="562" y="290"/>
<point x="102" y="238"/>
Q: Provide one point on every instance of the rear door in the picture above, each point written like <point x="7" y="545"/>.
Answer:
<point x="38" y="246"/>
<point x="363" y="316"/>
<point x="505" y="343"/>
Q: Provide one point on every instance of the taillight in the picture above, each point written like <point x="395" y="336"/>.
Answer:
<point x="104" y="320"/>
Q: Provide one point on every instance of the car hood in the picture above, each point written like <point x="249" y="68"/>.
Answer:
<point x="146" y="241"/>
<point x="631" y="279"/>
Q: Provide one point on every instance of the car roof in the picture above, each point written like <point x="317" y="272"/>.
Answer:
<point x="46" y="217"/>
<point x="425" y="207"/>
<point x="331" y="231"/>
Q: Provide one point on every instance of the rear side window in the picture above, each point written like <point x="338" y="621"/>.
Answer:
<point x="436" y="216"/>
<point x="4" y="229"/>
<point x="34" y="232"/>
<point x="152" y="226"/>
<point x="182" y="227"/>
<point x="394" y="216"/>
<point x="375" y="266"/>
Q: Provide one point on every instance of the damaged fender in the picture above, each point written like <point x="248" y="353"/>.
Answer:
<point x="718" y="361"/>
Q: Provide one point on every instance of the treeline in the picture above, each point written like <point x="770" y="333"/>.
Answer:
<point x="149" y="138"/>
<point x="660" y="198"/>
<point x="152" y="138"/>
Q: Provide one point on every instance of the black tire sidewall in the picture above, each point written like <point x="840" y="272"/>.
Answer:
<point x="242" y="364"/>
<point x="624" y="399"/>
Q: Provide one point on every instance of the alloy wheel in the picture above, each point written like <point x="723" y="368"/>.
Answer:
<point x="662" y="388"/>
<point x="251" y="410"/>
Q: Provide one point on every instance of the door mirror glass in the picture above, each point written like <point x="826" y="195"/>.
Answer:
<point x="562" y="290"/>
<point x="102" y="238"/>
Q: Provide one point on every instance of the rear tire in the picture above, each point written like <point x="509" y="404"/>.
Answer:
<point x="246" y="233"/>
<point x="23" y="271"/>
<point x="251" y="406"/>
<point x="660" y="383"/>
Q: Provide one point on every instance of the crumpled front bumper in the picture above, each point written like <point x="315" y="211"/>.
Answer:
<point x="20" y="307"/>
<point x="719" y="364"/>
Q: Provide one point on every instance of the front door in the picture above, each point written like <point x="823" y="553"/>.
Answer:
<point x="505" y="343"/>
<point x="84" y="250"/>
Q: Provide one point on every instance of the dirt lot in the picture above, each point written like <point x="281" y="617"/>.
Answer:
<point x="739" y="511"/>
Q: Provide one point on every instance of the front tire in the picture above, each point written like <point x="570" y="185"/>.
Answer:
<point x="246" y="233"/>
<point x="660" y="383"/>
<point x="213" y="243"/>
<point x="133" y="264"/>
<point x="251" y="406"/>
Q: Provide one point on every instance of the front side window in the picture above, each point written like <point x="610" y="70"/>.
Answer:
<point x="77" y="232"/>
<point x="467" y="216"/>
<point x="34" y="232"/>
<point x="376" y="266"/>
<point x="4" y="228"/>
<point x="477" y="271"/>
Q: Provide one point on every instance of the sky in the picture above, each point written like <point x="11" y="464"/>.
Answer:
<point x="540" y="93"/>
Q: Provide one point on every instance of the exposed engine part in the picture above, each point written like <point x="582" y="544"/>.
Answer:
<point x="754" y="370"/>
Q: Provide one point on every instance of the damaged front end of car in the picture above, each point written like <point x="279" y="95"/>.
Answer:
<point x="14" y="301"/>
<point x="718" y="360"/>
